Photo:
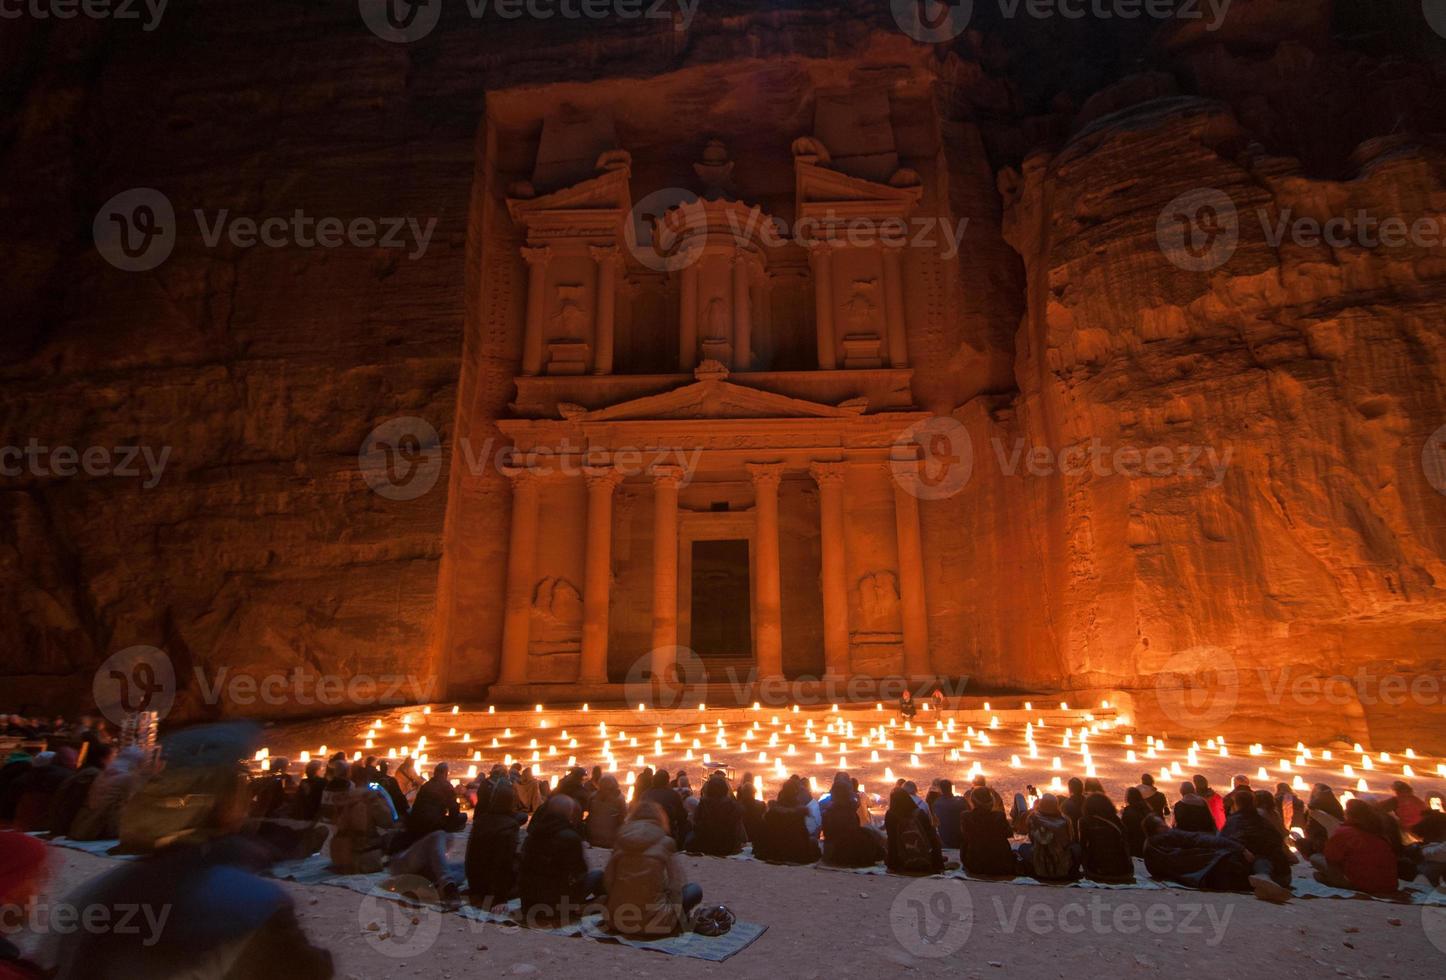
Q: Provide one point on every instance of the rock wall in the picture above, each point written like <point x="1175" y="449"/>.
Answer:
<point x="262" y="370"/>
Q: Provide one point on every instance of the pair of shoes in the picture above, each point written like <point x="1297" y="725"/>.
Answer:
<point x="1269" y="890"/>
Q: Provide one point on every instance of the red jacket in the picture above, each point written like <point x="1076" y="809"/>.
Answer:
<point x="1368" y="861"/>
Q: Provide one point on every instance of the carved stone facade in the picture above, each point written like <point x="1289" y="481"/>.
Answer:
<point x="763" y="497"/>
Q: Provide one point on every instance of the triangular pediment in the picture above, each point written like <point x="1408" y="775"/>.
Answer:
<point x="817" y="185"/>
<point x="715" y="398"/>
<point x="606" y="192"/>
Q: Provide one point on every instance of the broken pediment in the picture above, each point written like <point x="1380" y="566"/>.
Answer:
<point x="713" y="397"/>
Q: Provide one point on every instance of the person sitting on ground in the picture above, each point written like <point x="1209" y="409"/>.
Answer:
<point x="984" y="835"/>
<point x="665" y="796"/>
<point x="913" y="846"/>
<point x="573" y="785"/>
<point x="1237" y="782"/>
<point x="1019" y="810"/>
<point x="931" y="797"/>
<point x="492" y="856"/>
<point x="847" y="841"/>
<point x="1072" y="806"/>
<point x="980" y="782"/>
<point x="529" y="791"/>
<point x="1265" y="804"/>
<point x="1270" y="862"/>
<point x="306" y="804"/>
<point x="784" y="837"/>
<point x="1154" y="799"/>
<point x="1132" y="818"/>
<point x="392" y="788"/>
<point x="436" y="806"/>
<point x="1195" y="859"/>
<point x="1290" y="808"/>
<point x="271" y="793"/>
<point x="1212" y="800"/>
<point x="948" y="809"/>
<point x="1322" y="800"/>
<point x="36" y="789"/>
<point x="753" y="808"/>
<point x="1104" y="854"/>
<point x="1192" y="814"/>
<point x="361" y="818"/>
<point x="1358" y="854"/>
<point x="605" y="813"/>
<point x="553" y="878"/>
<point x="1051" y="853"/>
<point x="99" y="818"/>
<point x="718" y="820"/>
<point x="1429" y="856"/>
<point x="1407" y="807"/>
<point x="907" y="708"/>
<point x="647" y="887"/>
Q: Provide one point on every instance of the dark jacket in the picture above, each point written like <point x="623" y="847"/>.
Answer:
<point x="717" y="826"/>
<point x="604" y="816"/>
<point x="552" y="869"/>
<point x="1259" y="836"/>
<point x="753" y="811"/>
<point x="307" y="803"/>
<point x="70" y="799"/>
<point x="435" y="808"/>
<point x="784" y="836"/>
<point x="1192" y="814"/>
<point x="1132" y="816"/>
<point x="896" y="826"/>
<point x="492" y="858"/>
<point x="947" y="813"/>
<point x="1105" y="853"/>
<point x="984" y="847"/>
<point x="845" y="842"/>
<point x="1199" y="860"/>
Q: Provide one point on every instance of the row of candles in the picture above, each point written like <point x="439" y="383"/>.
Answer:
<point x="775" y="750"/>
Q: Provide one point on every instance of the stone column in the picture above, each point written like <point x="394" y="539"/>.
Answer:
<point x="833" y="577"/>
<point x="742" y="312"/>
<point x="521" y="571"/>
<point x="688" y="321"/>
<point x="537" y="259"/>
<point x="894" y="305"/>
<point x="597" y="572"/>
<point x="665" y="570"/>
<point x="821" y="258"/>
<point x="911" y="581"/>
<point x="606" y="258"/>
<point x="768" y="629"/>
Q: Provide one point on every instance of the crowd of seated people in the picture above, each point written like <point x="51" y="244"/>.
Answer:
<point x="527" y="839"/>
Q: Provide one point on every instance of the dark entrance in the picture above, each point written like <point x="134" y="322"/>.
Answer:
<point x="722" y="612"/>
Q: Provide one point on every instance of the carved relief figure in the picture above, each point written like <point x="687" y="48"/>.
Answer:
<point x="862" y="309"/>
<point x="570" y="319"/>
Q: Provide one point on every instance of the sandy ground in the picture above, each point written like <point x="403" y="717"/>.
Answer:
<point x="824" y="922"/>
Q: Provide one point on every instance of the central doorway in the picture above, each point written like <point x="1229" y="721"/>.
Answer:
<point x="722" y="622"/>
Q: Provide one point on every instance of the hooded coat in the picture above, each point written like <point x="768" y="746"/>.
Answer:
<point x="553" y="866"/>
<point x="644" y="879"/>
<point x="492" y="858"/>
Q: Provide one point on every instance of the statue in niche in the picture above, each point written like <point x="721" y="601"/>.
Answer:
<point x="879" y="602"/>
<point x="717" y="319"/>
<point x="570" y="320"/>
<point x="862" y="309"/>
